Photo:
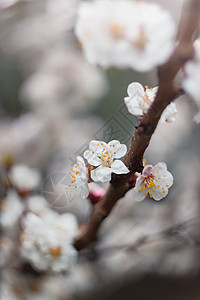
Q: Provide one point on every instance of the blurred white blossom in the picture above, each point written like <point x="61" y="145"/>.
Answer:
<point x="37" y="204"/>
<point x="47" y="242"/>
<point x="11" y="210"/>
<point x="139" y="101"/>
<point x="125" y="33"/>
<point x="24" y="179"/>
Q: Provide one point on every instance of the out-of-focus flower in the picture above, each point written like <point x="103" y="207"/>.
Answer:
<point x="77" y="181"/>
<point x="66" y="80"/>
<point x="154" y="180"/>
<point x="125" y="33"/>
<point x="191" y="82"/>
<point x="139" y="101"/>
<point x="11" y="210"/>
<point x="37" y="204"/>
<point x="24" y="179"/>
<point x="102" y="155"/>
<point x="47" y="242"/>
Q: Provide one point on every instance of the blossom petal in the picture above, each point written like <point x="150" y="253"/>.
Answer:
<point x="169" y="114"/>
<point x="151" y="93"/>
<point x="97" y="146"/>
<point x="118" y="149"/>
<point x="134" y="88"/>
<point x="80" y="161"/>
<point x="101" y="174"/>
<point x="133" y="106"/>
<point x="159" y="194"/>
<point x="83" y="191"/>
<point x="92" y="158"/>
<point x="118" y="167"/>
<point x="147" y="170"/>
<point x="138" y="196"/>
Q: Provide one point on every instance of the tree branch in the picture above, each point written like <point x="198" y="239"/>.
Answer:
<point x="140" y="140"/>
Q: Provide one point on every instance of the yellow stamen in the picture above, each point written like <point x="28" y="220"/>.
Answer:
<point x="151" y="184"/>
<point x="141" y="41"/>
<point x="117" y="30"/>
<point x="55" y="252"/>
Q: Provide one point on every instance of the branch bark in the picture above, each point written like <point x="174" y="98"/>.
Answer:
<point x="167" y="92"/>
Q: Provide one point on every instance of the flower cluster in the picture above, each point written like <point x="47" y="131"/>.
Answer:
<point x="125" y="33"/>
<point x="154" y="181"/>
<point x="140" y="99"/>
<point x="50" y="247"/>
<point x="191" y="82"/>
<point x="103" y="160"/>
<point x="24" y="179"/>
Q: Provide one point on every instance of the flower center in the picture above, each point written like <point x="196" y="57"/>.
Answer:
<point x="117" y="31"/>
<point x="55" y="252"/>
<point x="148" y="181"/>
<point x="106" y="158"/>
<point x="144" y="101"/>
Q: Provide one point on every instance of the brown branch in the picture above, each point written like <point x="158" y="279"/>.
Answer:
<point x="166" y="93"/>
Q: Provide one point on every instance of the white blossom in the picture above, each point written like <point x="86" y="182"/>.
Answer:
<point x="77" y="181"/>
<point x="139" y="100"/>
<point x="37" y="204"/>
<point x="11" y="210"/>
<point x="102" y="155"/>
<point x="191" y="82"/>
<point x="47" y="242"/>
<point x="125" y="34"/>
<point x="154" y="180"/>
<point x="23" y="178"/>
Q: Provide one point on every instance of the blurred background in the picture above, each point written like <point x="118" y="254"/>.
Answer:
<point x="52" y="104"/>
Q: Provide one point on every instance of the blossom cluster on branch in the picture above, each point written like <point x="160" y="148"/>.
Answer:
<point x="121" y="34"/>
